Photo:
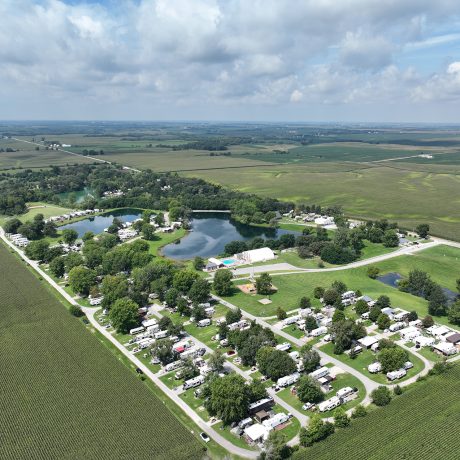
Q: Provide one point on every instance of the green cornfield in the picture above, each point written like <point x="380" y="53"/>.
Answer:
<point x="63" y="394"/>
<point x="422" y="424"/>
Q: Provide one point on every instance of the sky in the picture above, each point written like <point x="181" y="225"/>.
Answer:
<point x="231" y="60"/>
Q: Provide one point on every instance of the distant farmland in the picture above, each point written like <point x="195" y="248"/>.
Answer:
<point x="421" y="424"/>
<point x="63" y="394"/>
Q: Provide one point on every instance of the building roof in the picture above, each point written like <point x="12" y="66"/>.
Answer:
<point x="256" y="432"/>
<point x="368" y="341"/>
<point x="257" y="255"/>
<point x="453" y="338"/>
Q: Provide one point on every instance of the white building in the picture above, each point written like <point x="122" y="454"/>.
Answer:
<point x="256" y="255"/>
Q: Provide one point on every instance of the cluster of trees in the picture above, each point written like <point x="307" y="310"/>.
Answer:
<point x="92" y="152"/>
<point x="345" y="333"/>
<point x="32" y="229"/>
<point x="283" y="242"/>
<point x="391" y="357"/>
<point x="228" y="397"/>
<point x="249" y="341"/>
<point x="381" y="231"/>
<point x="420" y="284"/>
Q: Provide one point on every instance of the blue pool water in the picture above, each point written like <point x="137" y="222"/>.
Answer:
<point x="228" y="261"/>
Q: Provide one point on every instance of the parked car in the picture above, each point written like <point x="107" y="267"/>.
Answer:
<point x="204" y="437"/>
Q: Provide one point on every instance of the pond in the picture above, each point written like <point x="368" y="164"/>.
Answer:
<point x="391" y="279"/>
<point x="79" y="195"/>
<point x="96" y="224"/>
<point x="210" y="232"/>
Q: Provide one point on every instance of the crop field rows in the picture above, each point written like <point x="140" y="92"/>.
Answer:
<point x="421" y="424"/>
<point x="64" y="395"/>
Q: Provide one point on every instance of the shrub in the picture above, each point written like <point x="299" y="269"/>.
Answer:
<point x="381" y="396"/>
<point x="360" y="411"/>
<point x="75" y="310"/>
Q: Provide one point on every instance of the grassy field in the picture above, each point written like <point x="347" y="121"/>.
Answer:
<point x="380" y="190"/>
<point x="35" y="208"/>
<point x="421" y="424"/>
<point x="367" y="357"/>
<point x="26" y="156"/>
<point x="66" y="396"/>
<point x="442" y="262"/>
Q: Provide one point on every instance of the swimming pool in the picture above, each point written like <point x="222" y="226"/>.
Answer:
<point x="229" y="261"/>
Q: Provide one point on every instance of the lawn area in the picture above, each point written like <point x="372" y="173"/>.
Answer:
<point x="291" y="287"/>
<point x="48" y="210"/>
<point x="164" y="239"/>
<point x="203" y="334"/>
<point x="413" y="426"/>
<point x="367" y="357"/>
<point x="442" y="263"/>
<point x="227" y="434"/>
<point x="195" y="403"/>
<point x="341" y="381"/>
<point x="67" y="391"/>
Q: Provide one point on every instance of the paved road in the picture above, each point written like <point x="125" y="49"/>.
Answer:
<point x="248" y="270"/>
<point x="170" y="393"/>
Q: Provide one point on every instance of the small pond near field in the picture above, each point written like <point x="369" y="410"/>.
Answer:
<point x="210" y="232"/>
<point x="390" y="279"/>
<point x="96" y="224"/>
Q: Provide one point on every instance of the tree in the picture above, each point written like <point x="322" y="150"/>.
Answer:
<point x="383" y="321"/>
<point x="148" y="232"/>
<point x="73" y="259"/>
<point x="390" y="239"/>
<point x="223" y="282"/>
<point x="81" y="279"/>
<point x="12" y="225"/>
<point x="164" y="323"/>
<point x="281" y="314"/>
<point x="160" y="219"/>
<point x="422" y="230"/>
<point x="373" y="272"/>
<point x="69" y="235"/>
<point x="184" y="279"/>
<point x="275" y="447"/>
<point x="330" y="297"/>
<point x="163" y="350"/>
<point x="171" y="297"/>
<point x="454" y="313"/>
<point x="304" y="302"/>
<point x="274" y="363"/>
<point x="200" y="290"/>
<point x="374" y="313"/>
<point x="37" y="250"/>
<point x="339" y="286"/>
<point x="383" y="302"/>
<point x="76" y="311"/>
<point x="257" y="391"/>
<point x="216" y="361"/>
<point x="198" y="263"/>
<point x="308" y="390"/>
<point x="233" y="315"/>
<point x="392" y="359"/>
<point x="264" y="284"/>
<point x="228" y="398"/>
<point x="412" y="316"/>
<point x="124" y="315"/>
<point x="310" y="358"/>
<point x="310" y="323"/>
<point x="345" y="333"/>
<point x="427" y="321"/>
<point x="375" y="235"/>
<point x="360" y="411"/>
<point x="182" y="307"/>
<point x="318" y="292"/>
<point x="381" y="396"/>
<point x="316" y="431"/>
<point x="338" y="315"/>
<point x="57" y="267"/>
<point x="361" y="307"/>
<point x="88" y="236"/>
<point x="49" y="229"/>
<point x="386" y="343"/>
<point x="113" y="288"/>
<point x="341" y="419"/>
<point x="198" y="313"/>
<point x="437" y="301"/>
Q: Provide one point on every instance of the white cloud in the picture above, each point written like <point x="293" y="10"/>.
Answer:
<point x="213" y="53"/>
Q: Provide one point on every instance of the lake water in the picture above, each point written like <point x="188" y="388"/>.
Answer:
<point x="391" y="279"/>
<point x="79" y="195"/>
<point x="212" y="231"/>
<point x="96" y="224"/>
